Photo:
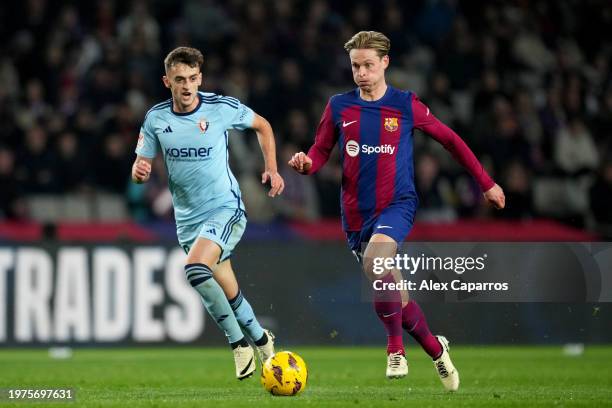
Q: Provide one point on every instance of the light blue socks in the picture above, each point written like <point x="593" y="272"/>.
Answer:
<point x="213" y="297"/>
<point x="246" y="317"/>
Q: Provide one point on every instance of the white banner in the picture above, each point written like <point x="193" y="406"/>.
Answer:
<point x="99" y="294"/>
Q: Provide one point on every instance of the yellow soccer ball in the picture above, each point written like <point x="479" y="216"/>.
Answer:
<point x="284" y="373"/>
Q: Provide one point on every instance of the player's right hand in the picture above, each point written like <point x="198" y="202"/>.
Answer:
<point x="141" y="170"/>
<point x="300" y="162"/>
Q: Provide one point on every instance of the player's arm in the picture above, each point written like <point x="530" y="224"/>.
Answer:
<point x="141" y="169"/>
<point x="424" y="120"/>
<point x="265" y="136"/>
<point x="318" y="154"/>
<point x="146" y="150"/>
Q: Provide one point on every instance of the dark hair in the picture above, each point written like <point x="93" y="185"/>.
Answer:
<point x="184" y="55"/>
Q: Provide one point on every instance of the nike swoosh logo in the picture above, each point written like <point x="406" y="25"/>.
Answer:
<point x="383" y="226"/>
<point x="345" y="124"/>
<point x="249" y="365"/>
<point x="389" y="315"/>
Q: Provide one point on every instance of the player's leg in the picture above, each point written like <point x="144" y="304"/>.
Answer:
<point x="396" y="222"/>
<point x="201" y="256"/>
<point x="415" y="323"/>
<point x="392" y="226"/>
<point x="387" y="303"/>
<point x="263" y="339"/>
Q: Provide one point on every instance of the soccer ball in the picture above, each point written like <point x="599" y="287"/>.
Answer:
<point x="284" y="373"/>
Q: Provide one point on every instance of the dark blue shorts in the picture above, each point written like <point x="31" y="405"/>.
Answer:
<point x="395" y="221"/>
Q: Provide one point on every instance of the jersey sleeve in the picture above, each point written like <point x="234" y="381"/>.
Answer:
<point x="424" y="120"/>
<point x="238" y="116"/>
<point x="325" y="140"/>
<point x="147" y="140"/>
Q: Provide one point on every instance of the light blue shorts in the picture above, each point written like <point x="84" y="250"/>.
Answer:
<point x="223" y="226"/>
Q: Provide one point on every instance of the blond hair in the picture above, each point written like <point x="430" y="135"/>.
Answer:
<point x="369" y="40"/>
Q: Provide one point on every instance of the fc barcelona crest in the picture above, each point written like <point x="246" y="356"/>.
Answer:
<point x="203" y="124"/>
<point x="391" y="124"/>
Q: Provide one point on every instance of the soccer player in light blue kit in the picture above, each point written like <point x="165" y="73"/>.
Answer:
<point x="190" y="131"/>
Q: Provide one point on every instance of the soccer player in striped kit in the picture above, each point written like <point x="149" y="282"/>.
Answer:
<point x="373" y="125"/>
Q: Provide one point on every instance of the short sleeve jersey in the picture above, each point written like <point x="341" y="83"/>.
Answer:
<point x="194" y="146"/>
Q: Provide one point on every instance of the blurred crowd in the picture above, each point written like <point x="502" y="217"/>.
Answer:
<point x="526" y="84"/>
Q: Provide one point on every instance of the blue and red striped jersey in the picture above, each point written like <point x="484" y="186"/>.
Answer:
<point x="376" y="150"/>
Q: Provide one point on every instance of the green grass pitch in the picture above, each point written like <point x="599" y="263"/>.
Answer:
<point x="339" y="377"/>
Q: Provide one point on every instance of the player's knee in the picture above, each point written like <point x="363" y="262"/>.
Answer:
<point x="204" y="251"/>
<point x="378" y="265"/>
<point x="370" y="270"/>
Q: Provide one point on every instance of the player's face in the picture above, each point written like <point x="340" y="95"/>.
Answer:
<point x="183" y="81"/>
<point x="368" y="68"/>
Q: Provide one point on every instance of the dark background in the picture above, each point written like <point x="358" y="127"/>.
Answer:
<point x="525" y="83"/>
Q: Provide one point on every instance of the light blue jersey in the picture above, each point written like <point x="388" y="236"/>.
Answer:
<point x="195" y="149"/>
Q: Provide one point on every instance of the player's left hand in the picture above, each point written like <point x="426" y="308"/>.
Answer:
<point x="495" y="195"/>
<point x="276" y="182"/>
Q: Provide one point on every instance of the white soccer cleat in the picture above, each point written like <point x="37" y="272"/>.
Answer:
<point x="267" y="349"/>
<point x="444" y="367"/>
<point x="244" y="358"/>
<point x="397" y="365"/>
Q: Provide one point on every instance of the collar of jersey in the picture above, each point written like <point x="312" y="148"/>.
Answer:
<point x="190" y="112"/>
<point x="382" y="98"/>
